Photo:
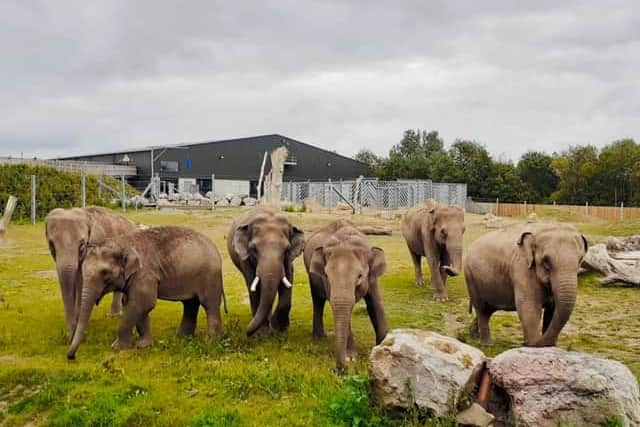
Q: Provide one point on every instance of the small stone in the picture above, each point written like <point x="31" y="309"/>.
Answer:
<point x="475" y="415"/>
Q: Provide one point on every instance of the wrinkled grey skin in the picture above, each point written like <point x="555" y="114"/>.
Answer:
<point x="434" y="231"/>
<point x="263" y="244"/>
<point x="344" y="268"/>
<point x="68" y="232"/>
<point x="526" y="268"/>
<point x="168" y="263"/>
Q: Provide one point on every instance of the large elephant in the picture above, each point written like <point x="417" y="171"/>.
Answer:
<point x="168" y="263"/>
<point x="528" y="268"/>
<point x="434" y="230"/>
<point x="263" y="245"/>
<point x="68" y="232"/>
<point x="344" y="268"/>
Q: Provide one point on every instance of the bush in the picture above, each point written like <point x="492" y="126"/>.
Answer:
<point x="351" y="406"/>
<point x="54" y="189"/>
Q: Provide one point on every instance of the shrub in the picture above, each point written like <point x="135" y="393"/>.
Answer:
<point x="54" y="189"/>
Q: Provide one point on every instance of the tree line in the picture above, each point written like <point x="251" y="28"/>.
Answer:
<point x="580" y="174"/>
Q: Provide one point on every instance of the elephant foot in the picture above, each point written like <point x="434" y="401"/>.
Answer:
<point x="419" y="283"/>
<point x="340" y="371"/>
<point x="120" y="345"/>
<point x="115" y="314"/>
<point x="487" y="342"/>
<point x="351" y="357"/>
<point x="474" y="331"/>
<point x="280" y="326"/>
<point x="319" y="335"/>
<point x="144" y="342"/>
<point x="181" y="333"/>
<point x="441" y="296"/>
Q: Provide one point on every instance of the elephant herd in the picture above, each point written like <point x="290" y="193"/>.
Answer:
<point x="531" y="269"/>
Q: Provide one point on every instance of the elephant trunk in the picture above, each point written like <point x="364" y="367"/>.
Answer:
<point x="342" y="308"/>
<point x="454" y="256"/>
<point x="88" y="299"/>
<point x="564" y="294"/>
<point x="69" y="277"/>
<point x="269" y="281"/>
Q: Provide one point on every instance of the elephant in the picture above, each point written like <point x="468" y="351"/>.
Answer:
<point x="263" y="244"/>
<point x="169" y="263"/>
<point x="526" y="268"/>
<point x="343" y="268"/>
<point x="434" y="230"/>
<point x="68" y="232"/>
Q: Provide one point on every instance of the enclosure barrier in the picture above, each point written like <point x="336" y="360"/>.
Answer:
<point x="606" y="213"/>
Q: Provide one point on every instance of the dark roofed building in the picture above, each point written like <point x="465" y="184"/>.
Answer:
<point x="235" y="162"/>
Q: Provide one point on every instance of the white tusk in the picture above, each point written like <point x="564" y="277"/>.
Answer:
<point x="254" y="284"/>
<point x="286" y="282"/>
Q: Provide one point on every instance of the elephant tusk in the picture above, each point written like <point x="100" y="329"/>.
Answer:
<point x="286" y="282"/>
<point x="254" y="284"/>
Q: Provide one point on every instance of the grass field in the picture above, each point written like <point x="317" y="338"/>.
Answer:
<point x="237" y="381"/>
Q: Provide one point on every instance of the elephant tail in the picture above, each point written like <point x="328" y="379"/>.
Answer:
<point x="470" y="306"/>
<point x="224" y="301"/>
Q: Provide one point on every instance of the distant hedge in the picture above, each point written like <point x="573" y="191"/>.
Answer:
<point x="54" y="189"/>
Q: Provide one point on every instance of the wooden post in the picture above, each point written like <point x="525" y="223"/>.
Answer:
<point x="586" y="208"/>
<point x="124" y="195"/>
<point x="497" y="206"/>
<point x="33" y="199"/>
<point x="213" y="192"/>
<point x="83" y="184"/>
<point x="525" y="208"/>
<point x="264" y="162"/>
<point x="621" y="210"/>
<point x="8" y="213"/>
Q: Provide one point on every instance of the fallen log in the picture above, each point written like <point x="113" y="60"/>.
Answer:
<point x="616" y="267"/>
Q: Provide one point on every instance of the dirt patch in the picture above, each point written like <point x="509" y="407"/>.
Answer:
<point x="9" y="358"/>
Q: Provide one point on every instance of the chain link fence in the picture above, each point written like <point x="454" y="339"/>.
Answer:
<point x="373" y="193"/>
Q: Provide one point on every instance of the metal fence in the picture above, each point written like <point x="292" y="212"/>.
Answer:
<point x="373" y="193"/>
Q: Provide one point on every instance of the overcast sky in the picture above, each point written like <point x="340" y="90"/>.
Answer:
<point x="91" y="76"/>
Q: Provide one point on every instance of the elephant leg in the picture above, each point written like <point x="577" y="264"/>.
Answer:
<point x="439" y="287"/>
<point x="280" y="317"/>
<point x="144" y="331"/>
<point x="547" y="316"/>
<point x="417" y="266"/>
<point x="529" y="312"/>
<point x="474" y="330"/>
<point x="376" y="312"/>
<point x="319" y="301"/>
<point x="116" y="305"/>
<point x="214" y="320"/>
<point x="482" y="318"/>
<point x="131" y="317"/>
<point x="189" y="317"/>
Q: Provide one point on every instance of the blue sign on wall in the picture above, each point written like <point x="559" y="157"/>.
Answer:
<point x="187" y="164"/>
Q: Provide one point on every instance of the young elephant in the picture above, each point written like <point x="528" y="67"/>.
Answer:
<point x="68" y="233"/>
<point x="528" y="268"/>
<point x="343" y="268"/>
<point x="169" y="263"/>
<point x="263" y="245"/>
<point x="434" y="231"/>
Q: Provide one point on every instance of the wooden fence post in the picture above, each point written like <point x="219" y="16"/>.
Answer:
<point x="621" y="210"/>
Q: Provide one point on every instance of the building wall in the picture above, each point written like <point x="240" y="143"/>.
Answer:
<point x="240" y="159"/>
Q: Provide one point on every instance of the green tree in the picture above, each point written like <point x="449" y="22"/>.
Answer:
<point x="617" y="173"/>
<point x="576" y="169"/>
<point x="373" y="161"/>
<point x="506" y="184"/>
<point x="472" y="165"/>
<point x="534" y="168"/>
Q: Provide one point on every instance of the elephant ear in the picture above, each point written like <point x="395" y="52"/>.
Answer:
<point x="377" y="262"/>
<point x="317" y="263"/>
<point x="241" y="241"/>
<point x="296" y="239"/>
<point x="129" y="263"/>
<point x="527" y="243"/>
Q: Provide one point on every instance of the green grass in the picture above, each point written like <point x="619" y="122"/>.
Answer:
<point x="234" y="380"/>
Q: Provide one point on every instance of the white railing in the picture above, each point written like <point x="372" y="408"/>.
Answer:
<point x="75" y="166"/>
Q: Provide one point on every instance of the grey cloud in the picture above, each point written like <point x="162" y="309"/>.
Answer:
<point x="90" y="76"/>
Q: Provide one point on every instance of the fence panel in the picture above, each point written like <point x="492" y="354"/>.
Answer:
<point x="606" y="213"/>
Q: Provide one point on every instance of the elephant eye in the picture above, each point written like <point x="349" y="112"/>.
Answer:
<point x="546" y="262"/>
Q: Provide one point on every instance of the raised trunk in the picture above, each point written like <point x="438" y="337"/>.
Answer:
<point x="68" y="275"/>
<point x="87" y="302"/>
<point x="564" y="295"/>
<point x="342" y="309"/>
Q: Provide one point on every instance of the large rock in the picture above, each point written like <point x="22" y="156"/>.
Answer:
<point x="414" y="367"/>
<point x="235" y="201"/>
<point x="549" y="386"/>
<point x="249" y="201"/>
